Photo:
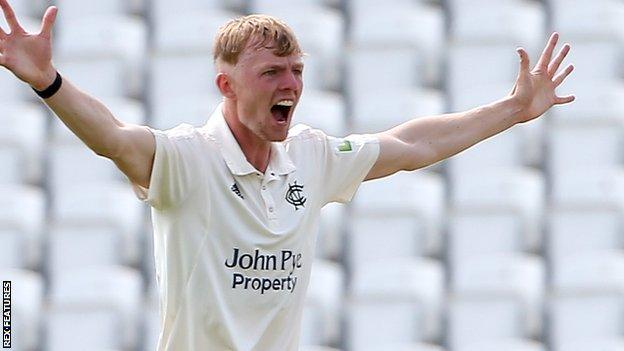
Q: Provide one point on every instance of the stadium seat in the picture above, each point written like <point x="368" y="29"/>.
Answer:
<point x="472" y="65"/>
<point x="522" y="276"/>
<point x="83" y="246"/>
<point x="170" y="78"/>
<point x="402" y="70"/>
<point x="76" y="9"/>
<point x="589" y="272"/>
<point x="416" y="346"/>
<point x="330" y="240"/>
<point x="22" y="140"/>
<point x="193" y="109"/>
<point x="597" y="102"/>
<point x="23" y="213"/>
<point x="152" y="327"/>
<point x="519" y="22"/>
<point x="578" y="230"/>
<point x="189" y="32"/>
<point x="322" y="110"/>
<point x="507" y="345"/>
<point x="477" y="233"/>
<point x="584" y="318"/>
<point x="406" y="294"/>
<point x="27" y="300"/>
<point x="13" y="90"/>
<point x="597" y="187"/>
<point x="125" y="110"/>
<point x="323" y="305"/>
<point x="161" y="10"/>
<point x="516" y="191"/>
<point x="579" y="19"/>
<point x="400" y="216"/>
<point x="94" y="307"/>
<point x="600" y="147"/>
<point x="602" y="344"/>
<point x="377" y="111"/>
<point x="486" y="318"/>
<point x="101" y="77"/>
<point x="109" y="206"/>
<point x="74" y="163"/>
<point x="113" y="36"/>
<point x="414" y="25"/>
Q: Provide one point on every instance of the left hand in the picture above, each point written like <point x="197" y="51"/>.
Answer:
<point x="534" y="90"/>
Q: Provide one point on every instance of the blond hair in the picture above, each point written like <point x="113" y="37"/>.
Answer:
<point x="234" y="36"/>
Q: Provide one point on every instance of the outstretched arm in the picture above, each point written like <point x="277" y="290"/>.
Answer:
<point x="424" y="141"/>
<point x="29" y="57"/>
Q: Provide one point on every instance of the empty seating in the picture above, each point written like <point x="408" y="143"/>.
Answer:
<point x="476" y="319"/>
<point x="95" y="308"/>
<point x="27" y="301"/>
<point x="585" y="318"/>
<point x="406" y="294"/>
<point x="323" y="306"/>
<point x="396" y="217"/>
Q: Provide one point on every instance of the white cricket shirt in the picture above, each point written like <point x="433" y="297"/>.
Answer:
<point x="233" y="247"/>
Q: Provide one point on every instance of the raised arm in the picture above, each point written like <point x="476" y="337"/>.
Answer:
<point x="29" y="57"/>
<point x="424" y="141"/>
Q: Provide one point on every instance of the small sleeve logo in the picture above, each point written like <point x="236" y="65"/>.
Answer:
<point x="345" y="146"/>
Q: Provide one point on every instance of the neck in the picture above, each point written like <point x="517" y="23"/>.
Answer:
<point x="255" y="149"/>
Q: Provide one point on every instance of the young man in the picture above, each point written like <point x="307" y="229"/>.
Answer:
<point x="235" y="203"/>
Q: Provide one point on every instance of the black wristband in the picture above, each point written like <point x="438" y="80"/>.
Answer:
<point x="52" y="89"/>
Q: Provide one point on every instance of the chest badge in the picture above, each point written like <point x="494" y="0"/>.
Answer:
<point x="294" y="195"/>
<point x="236" y="191"/>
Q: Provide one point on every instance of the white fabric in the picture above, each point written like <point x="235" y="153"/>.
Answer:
<point x="216" y="217"/>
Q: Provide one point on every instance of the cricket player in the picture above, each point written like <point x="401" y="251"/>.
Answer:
<point x="235" y="203"/>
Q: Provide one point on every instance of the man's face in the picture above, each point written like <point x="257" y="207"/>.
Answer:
<point x="267" y="89"/>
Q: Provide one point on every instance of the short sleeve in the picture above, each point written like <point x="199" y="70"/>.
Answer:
<point x="175" y="169"/>
<point x="347" y="162"/>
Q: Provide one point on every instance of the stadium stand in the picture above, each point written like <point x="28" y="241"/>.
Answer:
<point x="516" y="244"/>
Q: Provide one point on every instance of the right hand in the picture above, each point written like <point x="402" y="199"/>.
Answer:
<point x="28" y="56"/>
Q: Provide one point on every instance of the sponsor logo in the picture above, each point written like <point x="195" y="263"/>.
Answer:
<point x="286" y="262"/>
<point x="236" y="191"/>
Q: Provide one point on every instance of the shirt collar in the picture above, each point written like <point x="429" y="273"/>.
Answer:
<point x="279" y="160"/>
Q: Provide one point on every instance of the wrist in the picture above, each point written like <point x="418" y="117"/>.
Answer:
<point x="516" y="108"/>
<point x="47" y="78"/>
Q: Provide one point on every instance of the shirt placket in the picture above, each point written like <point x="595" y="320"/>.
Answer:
<point x="267" y="197"/>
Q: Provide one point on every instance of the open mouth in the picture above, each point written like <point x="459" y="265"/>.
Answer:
<point x="280" y="112"/>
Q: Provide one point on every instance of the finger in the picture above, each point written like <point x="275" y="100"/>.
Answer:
<point x="2" y="60"/>
<point x="554" y="66"/>
<point x="562" y="75"/>
<point x="524" y="60"/>
<point x="544" y="60"/>
<point x="3" y="34"/>
<point x="564" y="99"/>
<point x="10" y="16"/>
<point x="48" y="21"/>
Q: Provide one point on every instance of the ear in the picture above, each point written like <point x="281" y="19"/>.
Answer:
<point x="223" y="82"/>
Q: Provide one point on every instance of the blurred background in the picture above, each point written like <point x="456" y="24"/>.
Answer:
<point x="516" y="244"/>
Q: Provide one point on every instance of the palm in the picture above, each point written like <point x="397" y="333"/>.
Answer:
<point x="27" y="55"/>
<point x="535" y="90"/>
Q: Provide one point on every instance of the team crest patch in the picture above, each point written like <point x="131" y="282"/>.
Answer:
<point x="294" y="195"/>
<point x="344" y="146"/>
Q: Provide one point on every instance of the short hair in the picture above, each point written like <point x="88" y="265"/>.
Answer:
<point x="234" y="36"/>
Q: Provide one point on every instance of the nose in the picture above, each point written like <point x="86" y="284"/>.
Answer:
<point x="291" y="81"/>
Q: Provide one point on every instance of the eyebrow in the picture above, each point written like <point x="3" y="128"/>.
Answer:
<point x="280" y="66"/>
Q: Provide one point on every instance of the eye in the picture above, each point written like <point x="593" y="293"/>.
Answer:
<point x="270" y="72"/>
<point x="298" y="71"/>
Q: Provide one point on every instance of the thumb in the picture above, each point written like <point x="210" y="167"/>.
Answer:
<point x="48" y="21"/>
<point x="524" y="60"/>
